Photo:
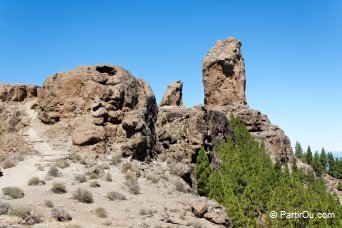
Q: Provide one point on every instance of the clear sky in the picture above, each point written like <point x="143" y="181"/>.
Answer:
<point x="292" y="50"/>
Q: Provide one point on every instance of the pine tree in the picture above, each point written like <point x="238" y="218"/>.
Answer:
<point x="316" y="163"/>
<point x="308" y="158"/>
<point x="323" y="160"/>
<point x="202" y="172"/>
<point x="331" y="164"/>
<point x="298" y="150"/>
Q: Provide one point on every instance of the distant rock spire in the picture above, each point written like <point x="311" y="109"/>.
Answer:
<point x="173" y="94"/>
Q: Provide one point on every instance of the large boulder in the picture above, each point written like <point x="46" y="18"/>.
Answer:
<point x="17" y="92"/>
<point x="103" y="104"/>
<point x="173" y="94"/>
<point x="224" y="74"/>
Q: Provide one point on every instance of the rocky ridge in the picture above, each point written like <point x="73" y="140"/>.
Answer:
<point x="103" y="111"/>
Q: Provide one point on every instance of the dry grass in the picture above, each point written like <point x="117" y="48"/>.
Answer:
<point x="4" y="208"/>
<point x="60" y="214"/>
<point x="53" y="172"/>
<point x="34" y="181"/>
<point x="13" y="192"/>
<point x="8" y="163"/>
<point x="94" y="184"/>
<point x="81" y="178"/>
<point x="180" y="187"/>
<point x="48" y="203"/>
<point x="77" y="158"/>
<point x="153" y="178"/>
<point x="132" y="185"/>
<point x="83" y="195"/>
<point x="28" y="216"/>
<point x="108" y="177"/>
<point x="62" y="163"/>
<point x="58" y="188"/>
<point x="101" y="212"/>
<point x="115" y="196"/>
<point x="127" y="166"/>
<point x="115" y="160"/>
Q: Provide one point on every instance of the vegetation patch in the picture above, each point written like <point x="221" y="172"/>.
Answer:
<point x="250" y="186"/>
<point x="101" y="212"/>
<point x="58" y="188"/>
<point x="115" y="196"/>
<point x="13" y="192"/>
<point x="83" y="195"/>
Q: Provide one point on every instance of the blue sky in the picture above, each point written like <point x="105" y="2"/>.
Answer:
<point x="292" y="50"/>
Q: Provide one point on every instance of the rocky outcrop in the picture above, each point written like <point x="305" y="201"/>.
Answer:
<point x="173" y="94"/>
<point x="224" y="86"/>
<point x="211" y="211"/>
<point x="103" y="104"/>
<point x="224" y="74"/>
<point x="17" y="92"/>
<point x="182" y="132"/>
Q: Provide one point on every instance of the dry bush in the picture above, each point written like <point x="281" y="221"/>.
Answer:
<point x="115" y="196"/>
<point x="28" y="216"/>
<point x="8" y="163"/>
<point x="132" y="185"/>
<point x="83" y="195"/>
<point x="4" y="208"/>
<point x="60" y="214"/>
<point x="53" y="172"/>
<point x="109" y="177"/>
<point x="77" y="158"/>
<point x="13" y="192"/>
<point x="62" y="163"/>
<point x="115" y="160"/>
<point x="94" y="184"/>
<point x="96" y="173"/>
<point x="48" y="203"/>
<point x="153" y="178"/>
<point x="81" y="178"/>
<point x="127" y="166"/>
<point x="58" y="188"/>
<point x="101" y="212"/>
<point x="180" y="187"/>
<point x="35" y="181"/>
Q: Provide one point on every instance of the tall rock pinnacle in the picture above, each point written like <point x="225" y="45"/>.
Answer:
<point x="224" y="74"/>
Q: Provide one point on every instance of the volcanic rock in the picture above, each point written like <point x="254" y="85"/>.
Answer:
<point x="173" y="94"/>
<point x="103" y="103"/>
<point x="17" y="92"/>
<point x="224" y="86"/>
<point x="224" y="74"/>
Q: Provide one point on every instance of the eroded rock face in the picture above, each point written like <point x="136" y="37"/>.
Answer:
<point x="103" y="104"/>
<point x="17" y="92"/>
<point x="224" y="74"/>
<point x="211" y="211"/>
<point x="173" y="94"/>
<point x="224" y="86"/>
<point x="182" y="132"/>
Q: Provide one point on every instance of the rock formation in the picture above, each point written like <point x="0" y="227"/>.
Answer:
<point x="224" y="86"/>
<point x="104" y="105"/>
<point x="173" y="94"/>
<point x="17" y="92"/>
<point x="224" y="74"/>
<point x="182" y="132"/>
